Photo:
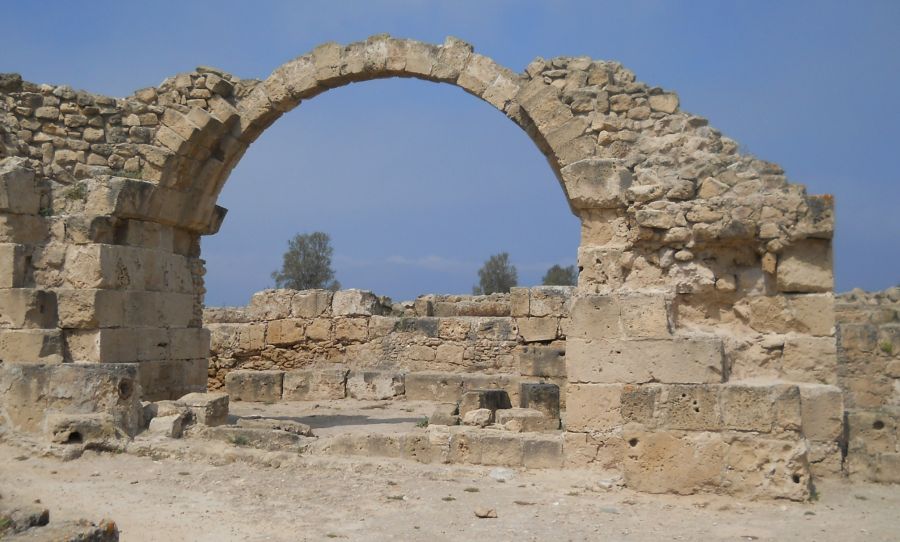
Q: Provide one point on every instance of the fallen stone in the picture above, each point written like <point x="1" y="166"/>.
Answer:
<point x="480" y="417"/>
<point x="168" y="426"/>
<point x="207" y="408"/>
<point x="290" y="426"/>
<point x="485" y="513"/>
<point x="445" y="414"/>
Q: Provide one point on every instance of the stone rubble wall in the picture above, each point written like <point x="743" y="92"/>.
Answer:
<point x="869" y="374"/>
<point x="318" y="329"/>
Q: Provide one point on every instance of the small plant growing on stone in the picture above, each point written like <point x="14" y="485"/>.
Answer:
<point x="887" y="347"/>
<point x="240" y="440"/>
<point x="45" y="212"/>
<point x="423" y="422"/>
<point x="139" y="174"/>
<point x="76" y="192"/>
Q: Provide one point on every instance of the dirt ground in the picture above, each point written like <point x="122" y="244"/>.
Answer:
<point x="216" y="492"/>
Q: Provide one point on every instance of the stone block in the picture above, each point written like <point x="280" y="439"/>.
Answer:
<point x="27" y="308"/>
<point x="519" y="302"/>
<point x="63" y="428"/>
<point x="821" y="412"/>
<point x="871" y="432"/>
<point x="543" y="453"/>
<point x="210" y="409"/>
<point x="806" y="267"/>
<point x="171" y="379"/>
<point x="810" y="359"/>
<point x="271" y="304"/>
<point x="542" y="361"/>
<point x="490" y="399"/>
<point x="433" y="386"/>
<point x="761" y="407"/>
<point x="256" y="437"/>
<point x="311" y="303"/>
<point x="596" y="183"/>
<point x="354" y="303"/>
<point x="675" y="361"/>
<point x="594" y="317"/>
<point x="316" y="384"/>
<point x="479" y="417"/>
<point x="549" y="300"/>
<point x="644" y="316"/>
<point x="814" y="313"/>
<point x="688" y="407"/>
<point x="444" y="414"/>
<point x="247" y="385"/>
<point x="375" y="385"/>
<point x="275" y="424"/>
<point x="171" y="426"/>
<point x="502" y="449"/>
<point x="31" y="346"/>
<point x="519" y="420"/>
<point x="13" y="268"/>
<point x="285" y="332"/>
<point x="669" y="462"/>
<point x="541" y="397"/>
<point x="351" y="329"/>
<point x="538" y="329"/>
<point x="417" y="447"/>
<point x="19" y="194"/>
<point x="593" y="407"/>
<point x="32" y="391"/>
<point x="766" y="468"/>
<point x="506" y="382"/>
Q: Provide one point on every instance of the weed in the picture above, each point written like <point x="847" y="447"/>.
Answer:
<point x="240" y="440"/>
<point x="76" y="192"/>
<point x="448" y="498"/>
<point x="471" y="490"/>
<point x="423" y="422"/>
<point x="886" y="347"/>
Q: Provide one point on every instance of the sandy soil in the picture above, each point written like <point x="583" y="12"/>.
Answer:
<point x="216" y="492"/>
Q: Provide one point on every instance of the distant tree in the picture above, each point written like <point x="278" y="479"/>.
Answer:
<point x="561" y="276"/>
<point x="307" y="263"/>
<point x="497" y="275"/>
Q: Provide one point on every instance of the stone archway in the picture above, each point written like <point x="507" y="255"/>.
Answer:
<point x="705" y="286"/>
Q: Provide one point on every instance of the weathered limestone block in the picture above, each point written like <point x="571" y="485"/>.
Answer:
<point x="542" y="361"/>
<point x="519" y="420"/>
<point x="171" y="426"/>
<point x="644" y="316"/>
<point x="354" y="303"/>
<point x="81" y="428"/>
<point x="171" y="379"/>
<point x="351" y="329"/>
<point x="13" y="268"/>
<point x="766" y="468"/>
<point x="433" y="386"/>
<point x="767" y="408"/>
<point x="273" y="424"/>
<point x="549" y="300"/>
<point x="806" y="267"/>
<point x="375" y="385"/>
<point x="538" y="329"/>
<point x="29" y="393"/>
<point x="444" y="414"/>
<point x="246" y="385"/>
<point x="271" y="304"/>
<point x="210" y="409"/>
<point x="316" y="384"/>
<point x="31" y="346"/>
<point x="489" y="399"/>
<point x="671" y="462"/>
<point x="810" y="359"/>
<point x="679" y="360"/>
<point x="19" y="192"/>
<point x="481" y="417"/>
<point x="501" y="448"/>
<point x="310" y="303"/>
<point x="595" y="317"/>
<point x="27" y="308"/>
<point x="285" y="332"/>
<point x="593" y="407"/>
<point x="596" y="183"/>
<point x="822" y="412"/>
<point x="541" y="397"/>
<point x="543" y="453"/>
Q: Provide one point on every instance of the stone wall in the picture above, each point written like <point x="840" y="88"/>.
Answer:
<point x="103" y="202"/>
<point x="318" y="329"/>
<point x="869" y="374"/>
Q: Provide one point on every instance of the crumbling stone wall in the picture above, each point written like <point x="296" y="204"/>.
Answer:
<point x="103" y="202"/>
<point x="869" y="374"/>
<point x="354" y="329"/>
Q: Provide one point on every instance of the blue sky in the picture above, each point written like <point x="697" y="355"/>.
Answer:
<point x="419" y="183"/>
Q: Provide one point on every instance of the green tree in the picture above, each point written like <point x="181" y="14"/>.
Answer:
<point x="497" y="275"/>
<point x="561" y="276"/>
<point x="307" y="263"/>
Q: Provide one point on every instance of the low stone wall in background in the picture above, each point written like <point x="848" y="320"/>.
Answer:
<point x="869" y="374"/>
<point x="518" y="335"/>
